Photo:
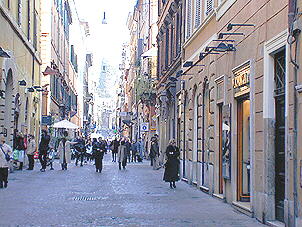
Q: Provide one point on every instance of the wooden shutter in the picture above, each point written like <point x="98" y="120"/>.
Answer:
<point x="197" y="13"/>
<point x="209" y="6"/>
<point x="19" y="18"/>
<point x="189" y="18"/>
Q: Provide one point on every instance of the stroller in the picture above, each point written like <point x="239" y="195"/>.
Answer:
<point x="51" y="154"/>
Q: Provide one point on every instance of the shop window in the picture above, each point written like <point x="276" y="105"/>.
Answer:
<point x="243" y="148"/>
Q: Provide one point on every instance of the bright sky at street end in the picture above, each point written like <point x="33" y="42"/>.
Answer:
<point x="106" y="39"/>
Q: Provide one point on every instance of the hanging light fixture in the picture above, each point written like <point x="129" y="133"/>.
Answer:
<point x="104" y="21"/>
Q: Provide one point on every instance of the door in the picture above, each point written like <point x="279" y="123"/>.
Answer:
<point x="243" y="149"/>
<point x="279" y="134"/>
<point x="220" y="189"/>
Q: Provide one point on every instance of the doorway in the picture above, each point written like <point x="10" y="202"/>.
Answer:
<point x="220" y="176"/>
<point x="243" y="150"/>
<point x="279" y="78"/>
<point x="9" y="107"/>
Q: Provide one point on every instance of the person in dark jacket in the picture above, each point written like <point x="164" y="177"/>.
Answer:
<point x="98" y="149"/>
<point x="80" y="148"/>
<point x="133" y="151"/>
<point x="43" y="148"/>
<point x="20" y="147"/>
<point x="114" y="144"/>
<point x="154" y="152"/>
<point x="172" y="165"/>
<point x="128" y="149"/>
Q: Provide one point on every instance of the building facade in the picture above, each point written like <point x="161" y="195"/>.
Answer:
<point x="138" y="67"/>
<point x="169" y="41"/>
<point x="237" y="106"/>
<point x="59" y="63"/>
<point x="20" y="62"/>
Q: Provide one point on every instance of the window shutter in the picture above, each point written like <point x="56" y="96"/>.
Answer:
<point x="209" y="6"/>
<point x="197" y="13"/>
<point x="19" y="12"/>
<point x="189" y="18"/>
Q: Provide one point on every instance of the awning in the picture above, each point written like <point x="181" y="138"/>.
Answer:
<point x="65" y="124"/>
<point x="127" y="122"/>
<point x="150" y="53"/>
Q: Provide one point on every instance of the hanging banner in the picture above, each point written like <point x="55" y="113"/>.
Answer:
<point x="226" y="141"/>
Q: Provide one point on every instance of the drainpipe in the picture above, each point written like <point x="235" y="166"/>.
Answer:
<point x="293" y="38"/>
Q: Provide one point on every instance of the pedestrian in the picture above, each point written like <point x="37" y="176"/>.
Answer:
<point x="128" y="149"/>
<point x="98" y="153"/>
<point x="64" y="150"/>
<point x="43" y="149"/>
<point x="172" y="164"/>
<point x="140" y="150"/>
<point x="53" y="144"/>
<point x="19" y="150"/>
<point x="30" y="151"/>
<point x="80" y="148"/>
<point x="133" y="151"/>
<point x="122" y="155"/>
<point x="154" y="152"/>
<point x="5" y="153"/>
<point x="114" y="144"/>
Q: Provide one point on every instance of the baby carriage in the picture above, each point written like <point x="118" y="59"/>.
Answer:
<point x="51" y="154"/>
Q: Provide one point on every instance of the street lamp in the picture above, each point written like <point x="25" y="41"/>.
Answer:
<point x="104" y="21"/>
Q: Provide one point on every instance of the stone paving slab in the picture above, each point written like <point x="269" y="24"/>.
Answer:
<point x="136" y="196"/>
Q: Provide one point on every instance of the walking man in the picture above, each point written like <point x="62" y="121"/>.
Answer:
<point x="5" y="153"/>
<point x="154" y="152"/>
<point x="43" y="148"/>
<point x="114" y="144"/>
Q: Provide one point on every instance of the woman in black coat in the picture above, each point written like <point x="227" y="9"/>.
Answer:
<point x="172" y="165"/>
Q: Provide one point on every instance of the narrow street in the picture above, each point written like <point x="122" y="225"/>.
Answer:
<point x="136" y="196"/>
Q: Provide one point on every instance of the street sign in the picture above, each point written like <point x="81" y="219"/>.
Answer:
<point x="145" y="127"/>
<point x="46" y="120"/>
<point x="123" y="114"/>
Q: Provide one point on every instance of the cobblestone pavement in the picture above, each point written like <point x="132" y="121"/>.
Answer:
<point x="136" y="196"/>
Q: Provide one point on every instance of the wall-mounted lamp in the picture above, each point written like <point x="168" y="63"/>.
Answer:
<point x="49" y="71"/>
<point x="190" y="64"/>
<point x="22" y="82"/>
<point x="104" y="21"/>
<point x="222" y="47"/>
<point x="230" y="26"/>
<point x="2" y="94"/>
<point x="3" y="53"/>
<point x="179" y="73"/>
<point x="220" y="36"/>
<point x="173" y="79"/>
<point x="225" y="40"/>
<point x="30" y="89"/>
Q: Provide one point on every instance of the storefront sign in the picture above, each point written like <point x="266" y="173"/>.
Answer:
<point x="241" y="77"/>
<point x="226" y="141"/>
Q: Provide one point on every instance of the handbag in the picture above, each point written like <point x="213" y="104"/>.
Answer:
<point x="7" y="157"/>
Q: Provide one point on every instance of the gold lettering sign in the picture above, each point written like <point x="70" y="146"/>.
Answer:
<point x="241" y="78"/>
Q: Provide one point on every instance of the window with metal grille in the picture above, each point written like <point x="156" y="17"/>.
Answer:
<point x="280" y="73"/>
<point x="189" y="18"/>
<point x="197" y="13"/>
<point x="209" y="6"/>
